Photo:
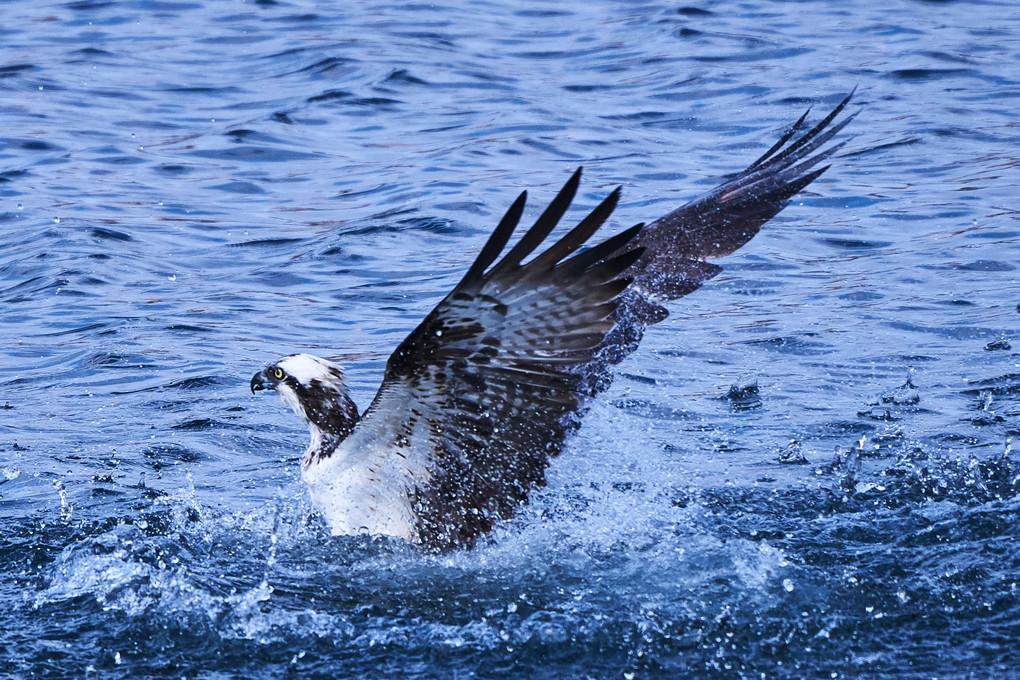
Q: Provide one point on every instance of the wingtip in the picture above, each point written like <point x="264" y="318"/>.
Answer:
<point x="815" y="174"/>
<point x="575" y="180"/>
<point x="842" y="105"/>
<point x="613" y="199"/>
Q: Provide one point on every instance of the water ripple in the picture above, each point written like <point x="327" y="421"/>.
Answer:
<point x="189" y="190"/>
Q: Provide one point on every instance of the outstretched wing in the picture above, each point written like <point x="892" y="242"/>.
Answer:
<point x="478" y="398"/>
<point x="677" y="245"/>
<point x="729" y="216"/>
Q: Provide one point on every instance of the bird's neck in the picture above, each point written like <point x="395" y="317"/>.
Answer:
<point x="330" y="422"/>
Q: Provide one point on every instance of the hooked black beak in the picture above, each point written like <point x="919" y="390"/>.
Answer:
<point x="260" y="382"/>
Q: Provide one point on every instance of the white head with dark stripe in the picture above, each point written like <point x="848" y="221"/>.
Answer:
<point x="316" y="390"/>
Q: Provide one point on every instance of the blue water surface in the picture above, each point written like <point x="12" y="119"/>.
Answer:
<point x="191" y="189"/>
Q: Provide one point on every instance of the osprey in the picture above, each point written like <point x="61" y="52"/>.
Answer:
<point x="482" y="394"/>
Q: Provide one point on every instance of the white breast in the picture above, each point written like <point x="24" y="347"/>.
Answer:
<point x="359" y="498"/>
<point x="365" y="485"/>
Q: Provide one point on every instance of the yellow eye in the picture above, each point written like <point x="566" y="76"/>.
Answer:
<point x="278" y="373"/>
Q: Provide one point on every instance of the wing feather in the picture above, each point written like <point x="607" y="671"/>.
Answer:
<point x="543" y="226"/>
<point x="676" y="246"/>
<point x="580" y="234"/>
<point x="727" y="217"/>
<point x="500" y="237"/>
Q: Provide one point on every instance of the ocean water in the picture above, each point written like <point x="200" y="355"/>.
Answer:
<point x="190" y="189"/>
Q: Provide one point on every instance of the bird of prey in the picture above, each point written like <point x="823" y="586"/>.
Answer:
<point x="483" y="393"/>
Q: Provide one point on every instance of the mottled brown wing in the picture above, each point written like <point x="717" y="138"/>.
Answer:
<point x="487" y="386"/>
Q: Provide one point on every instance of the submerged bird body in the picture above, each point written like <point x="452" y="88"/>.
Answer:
<point x="481" y="395"/>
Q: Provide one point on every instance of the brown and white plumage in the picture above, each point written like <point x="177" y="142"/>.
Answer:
<point x="482" y="394"/>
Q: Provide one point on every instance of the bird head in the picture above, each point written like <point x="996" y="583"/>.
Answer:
<point x="315" y="389"/>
